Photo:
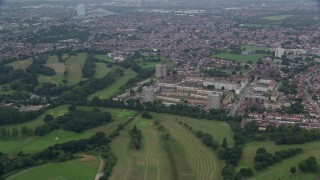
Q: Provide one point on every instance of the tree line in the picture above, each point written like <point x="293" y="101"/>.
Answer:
<point x="263" y="159"/>
<point x="135" y="138"/>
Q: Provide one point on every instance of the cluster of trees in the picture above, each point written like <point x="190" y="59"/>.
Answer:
<point x="288" y="88"/>
<point x="38" y="66"/>
<point x="295" y="108"/>
<point x="77" y="121"/>
<point x="58" y="152"/>
<point x="263" y="159"/>
<point x="89" y="67"/>
<point x="13" y="116"/>
<point x="215" y="72"/>
<point x="80" y="92"/>
<point x="292" y="134"/>
<point x="56" y="33"/>
<point x="146" y="115"/>
<point x="50" y="89"/>
<point x="135" y="141"/>
<point x="18" y="79"/>
<point x="207" y="139"/>
<point x="235" y="49"/>
<point x="309" y="164"/>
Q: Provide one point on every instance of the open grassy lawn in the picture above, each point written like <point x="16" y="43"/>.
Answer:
<point x="118" y="115"/>
<point x="218" y="129"/>
<point x="150" y="162"/>
<point x="21" y="64"/>
<point x="280" y="170"/>
<point x="37" y="143"/>
<point x="103" y="57"/>
<point x="79" y="169"/>
<point x="239" y="57"/>
<point x="58" y="67"/>
<point x="115" y="87"/>
<point x="277" y="18"/>
<point x="147" y="62"/>
<point x="102" y="70"/>
<point x="254" y="48"/>
<point x="204" y="162"/>
<point x="73" y="66"/>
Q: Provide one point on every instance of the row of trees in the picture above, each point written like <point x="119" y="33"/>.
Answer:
<point x="135" y="140"/>
<point x="13" y="116"/>
<point x="38" y="66"/>
<point x="263" y="159"/>
<point x="89" y="67"/>
<point x="7" y="133"/>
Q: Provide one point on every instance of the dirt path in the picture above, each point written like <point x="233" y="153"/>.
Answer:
<point x="100" y="170"/>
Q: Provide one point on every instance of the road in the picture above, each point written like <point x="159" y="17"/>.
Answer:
<point x="246" y="91"/>
<point x="306" y="92"/>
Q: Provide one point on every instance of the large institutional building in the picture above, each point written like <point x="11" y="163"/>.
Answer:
<point x="81" y="10"/>
<point x="161" y="70"/>
<point x="148" y="94"/>
<point x="214" y="101"/>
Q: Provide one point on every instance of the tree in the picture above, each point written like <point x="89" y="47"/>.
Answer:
<point x="4" y="133"/>
<point x="48" y="118"/>
<point x="293" y="170"/>
<point x="199" y="134"/>
<point x="224" y="143"/>
<point x="72" y="108"/>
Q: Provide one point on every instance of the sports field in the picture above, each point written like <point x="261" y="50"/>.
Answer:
<point x="115" y="87"/>
<point x="277" y="18"/>
<point x="239" y="57"/>
<point x="21" y="64"/>
<point x="149" y="63"/>
<point x="280" y="170"/>
<point x="79" y="169"/>
<point x="150" y="162"/>
<point x="58" y="67"/>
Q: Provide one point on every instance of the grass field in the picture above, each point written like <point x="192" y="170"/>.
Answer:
<point x="150" y="162"/>
<point x="58" y="67"/>
<point x="22" y="64"/>
<point x="80" y="169"/>
<point x="103" y="57"/>
<point x="218" y="129"/>
<point x="118" y="115"/>
<point x="102" y="70"/>
<point x="239" y="57"/>
<point x="147" y="62"/>
<point x="254" y="25"/>
<point x="37" y="143"/>
<point x="280" y="170"/>
<point x="204" y="162"/>
<point x="277" y="18"/>
<point x="73" y="65"/>
<point x="115" y="87"/>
